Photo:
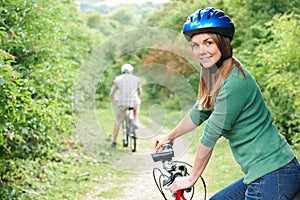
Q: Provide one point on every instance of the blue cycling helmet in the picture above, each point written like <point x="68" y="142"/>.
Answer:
<point x="208" y="20"/>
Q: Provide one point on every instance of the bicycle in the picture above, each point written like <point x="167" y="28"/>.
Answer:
<point x="176" y="169"/>
<point x="173" y="170"/>
<point x="128" y="128"/>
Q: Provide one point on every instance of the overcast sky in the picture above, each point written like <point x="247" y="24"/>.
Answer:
<point x="117" y="2"/>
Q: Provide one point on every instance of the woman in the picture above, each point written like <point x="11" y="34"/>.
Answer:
<point x="232" y="105"/>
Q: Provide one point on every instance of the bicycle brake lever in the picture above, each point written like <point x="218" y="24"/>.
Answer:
<point x="167" y="182"/>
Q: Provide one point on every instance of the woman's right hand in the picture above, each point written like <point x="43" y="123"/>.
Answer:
<point x="160" y="140"/>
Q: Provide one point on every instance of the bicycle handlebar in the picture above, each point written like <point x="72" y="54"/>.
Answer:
<point x="174" y="169"/>
<point x="166" y="154"/>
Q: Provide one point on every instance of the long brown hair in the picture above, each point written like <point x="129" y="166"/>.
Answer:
<point x="210" y="83"/>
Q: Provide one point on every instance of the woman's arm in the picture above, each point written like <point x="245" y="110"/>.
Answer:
<point x="202" y="157"/>
<point x="184" y="126"/>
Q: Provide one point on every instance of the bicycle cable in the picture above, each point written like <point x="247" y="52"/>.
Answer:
<point x="202" y="179"/>
<point x="160" y="187"/>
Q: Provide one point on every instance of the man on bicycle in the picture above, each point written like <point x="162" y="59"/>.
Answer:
<point x="130" y="91"/>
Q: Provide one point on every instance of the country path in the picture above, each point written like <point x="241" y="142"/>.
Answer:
<point x="140" y="185"/>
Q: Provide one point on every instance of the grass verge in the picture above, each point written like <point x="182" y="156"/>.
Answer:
<point x="75" y="174"/>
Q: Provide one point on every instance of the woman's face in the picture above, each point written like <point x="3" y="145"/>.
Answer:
<point x="205" y="50"/>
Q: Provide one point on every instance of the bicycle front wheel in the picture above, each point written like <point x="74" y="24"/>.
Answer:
<point x="125" y="132"/>
<point x="132" y="137"/>
<point x="133" y="143"/>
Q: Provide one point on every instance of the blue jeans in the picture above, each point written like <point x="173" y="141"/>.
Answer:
<point x="282" y="184"/>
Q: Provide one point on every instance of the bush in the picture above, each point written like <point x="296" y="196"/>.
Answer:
<point x="276" y="67"/>
<point x="39" y="58"/>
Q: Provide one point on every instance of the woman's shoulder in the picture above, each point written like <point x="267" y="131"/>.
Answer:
<point x="240" y="79"/>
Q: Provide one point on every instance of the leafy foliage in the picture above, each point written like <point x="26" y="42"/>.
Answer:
<point x="250" y="17"/>
<point x="39" y="57"/>
<point x="276" y="66"/>
<point x="173" y="62"/>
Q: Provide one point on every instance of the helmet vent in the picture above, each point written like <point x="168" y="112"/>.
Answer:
<point x="219" y="13"/>
<point x="199" y="16"/>
<point x="209" y="15"/>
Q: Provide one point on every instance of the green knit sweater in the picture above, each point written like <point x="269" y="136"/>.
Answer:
<point x="241" y="116"/>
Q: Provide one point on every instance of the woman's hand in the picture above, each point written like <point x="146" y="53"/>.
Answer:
<point x="186" y="125"/>
<point x="181" y="183"/>
<point x="160" y="140"/>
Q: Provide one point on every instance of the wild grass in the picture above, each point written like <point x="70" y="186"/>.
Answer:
<point x="78" y="174"/>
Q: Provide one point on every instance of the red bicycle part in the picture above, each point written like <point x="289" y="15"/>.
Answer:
<point x="179" y="195"/>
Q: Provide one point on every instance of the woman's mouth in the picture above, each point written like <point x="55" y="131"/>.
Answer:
<point x="205" y="59"/>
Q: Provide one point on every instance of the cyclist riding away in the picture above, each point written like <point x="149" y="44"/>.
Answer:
<point x="130" y="91"/>
<point x="232" y="105"/>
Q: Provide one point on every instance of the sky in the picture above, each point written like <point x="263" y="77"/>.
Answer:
<point x="117" y="2"/>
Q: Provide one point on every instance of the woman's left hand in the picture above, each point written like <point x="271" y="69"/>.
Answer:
<point x="181" y="183"/>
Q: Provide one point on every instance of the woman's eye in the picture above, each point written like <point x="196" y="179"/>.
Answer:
<point x="209" y="43"/>
<point x="195" y="45"/>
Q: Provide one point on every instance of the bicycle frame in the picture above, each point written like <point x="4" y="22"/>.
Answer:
<point x="129" y="129"/>
<point x="179" y="195"/>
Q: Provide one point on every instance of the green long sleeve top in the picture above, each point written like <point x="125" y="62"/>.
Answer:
<point x="241" y="115"/>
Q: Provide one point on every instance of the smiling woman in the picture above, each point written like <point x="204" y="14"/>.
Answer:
<point x="233" y="107"/>
<point x="205" y="50"/>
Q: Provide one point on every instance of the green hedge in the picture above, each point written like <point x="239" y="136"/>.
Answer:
<point x="42" y="45"/>
<point x="275" y="63"/>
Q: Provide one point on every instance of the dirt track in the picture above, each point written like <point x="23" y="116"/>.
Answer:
<point x="141" y="185"/>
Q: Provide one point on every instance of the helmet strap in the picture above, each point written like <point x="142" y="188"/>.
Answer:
<point x="218" y="64"/>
